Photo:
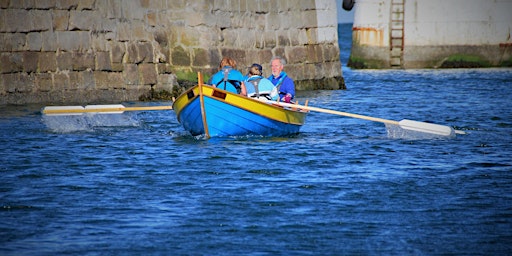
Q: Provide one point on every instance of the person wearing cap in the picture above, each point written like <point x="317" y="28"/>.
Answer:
<point x="258" y="86"/>
<point x="281" y="80"/>
<point x="228" y="78"/>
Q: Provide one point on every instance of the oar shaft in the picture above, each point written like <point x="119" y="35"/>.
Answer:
<point x="106" y="109"/>
<point x="411" y="125"/>
<point x="340" y="113"/>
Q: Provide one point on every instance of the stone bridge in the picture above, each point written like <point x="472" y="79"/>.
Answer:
<point x="101" y="51"/>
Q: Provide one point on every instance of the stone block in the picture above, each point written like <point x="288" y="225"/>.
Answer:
<point x="309" y="19"/>
<point x="118" y="51"/>
<point x="273" y="21"/>
<point x="283" y="40"/>
<point x="41" y="20"/>
<point x="247" y="40"/>
<point x="15" y="20"/>
<point x="132" y="10"/>
<point x="109" y="9"/>
<point x="19" y="82"/>
<point x="7" y="83"/>
<point x="314" y="53"/>
<point x="312" y="34"/>
<point x="99" y="42"/>
<point x="83" y="20"/>
<point x="75" y="81"/>
<point x="12" y="42"/>
<point x="4" y="58"/>
<point x="327" y="35"/>
<point x="269" y="39"/>
<point x="326" y="18"/>
<point x="65" y="61"/>
<point x="103" y="61"/>
<point x="133" y="54"/>
<point x="86" y="5"/>
<point x="34" y="41"/>
<point x="116" y="80"/>
<point x="61" y="80"/>
<point x="101" y="79"/>
<point x="165" y="82"/>
<point x="237" y="54"/>
<point x="147" y="73"/>
<point x="139" y="32"/>
<point x="201" y="57"/>
<point x="177" y="4"/>
<point x="279" y="51"/>
<point x="145" y="52"/>
<point x="3" y="24"/>
<point x="49" y="41"/>
<point x="83" y="61"/>
<point x="44" y="82"/>
<point x="47" y="62"/>
<point x="60" y="20"/>
<point x="124" y="31"/>
<point x="164" y="68"/>
<point x="11" y="62"/>
<point x="117" y="67"/>
<point x="45" y="4"/>
<point x="296" y="54"/>
<point x="180" y="57"/>
<point x="30" y="61"/>
<point x="67" y="4"/>
<point x="214" y="58"/>
<point x="130" y="74"/>
<point x="301" y="37"/>
<point x="264" y="57"/>
<point x="68" y="40"/>
<point x="88" y="82"/>
<point x="152" y="18"/>
<point x="329" y="52"/>
<point x="4" y="4"/>
<point x="85" y="40"/>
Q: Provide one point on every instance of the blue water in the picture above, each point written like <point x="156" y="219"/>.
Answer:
<point x="137" y="183"/>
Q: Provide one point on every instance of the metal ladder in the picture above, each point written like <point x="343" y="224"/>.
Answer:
<point x="396" y="44"/>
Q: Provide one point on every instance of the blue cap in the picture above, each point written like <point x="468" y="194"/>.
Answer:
<point x="258" y="66"/>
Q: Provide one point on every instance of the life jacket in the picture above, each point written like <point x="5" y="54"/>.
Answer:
<point x="228" y="84"/>
<point x="262" y="95"/>
<point x="279" y="83"/>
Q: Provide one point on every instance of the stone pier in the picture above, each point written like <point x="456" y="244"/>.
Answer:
<point x="103" y="51"/>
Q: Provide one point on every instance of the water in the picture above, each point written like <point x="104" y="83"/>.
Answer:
<point x="139" y="184"/>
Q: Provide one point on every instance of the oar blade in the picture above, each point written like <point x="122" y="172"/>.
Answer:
<point x="437" y="129"/>
<point x="106" y="109"/>
<point x="63" y="110"/>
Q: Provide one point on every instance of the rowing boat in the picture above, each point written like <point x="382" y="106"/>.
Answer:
<point x="213" y="112"/>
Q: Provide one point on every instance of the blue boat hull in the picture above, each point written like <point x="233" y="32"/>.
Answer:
<point x="228" y="114"/>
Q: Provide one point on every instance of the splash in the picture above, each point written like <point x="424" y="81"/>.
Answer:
<point x="86" y="122"/>
<point x="397" y="132"/>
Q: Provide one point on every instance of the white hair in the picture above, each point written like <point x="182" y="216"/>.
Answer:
<point x="281" y="60"/>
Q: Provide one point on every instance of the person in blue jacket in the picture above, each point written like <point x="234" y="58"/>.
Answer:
<point x="281" y="80"/>
<point x="228" y="78"/>
<point x="258" y="86"/>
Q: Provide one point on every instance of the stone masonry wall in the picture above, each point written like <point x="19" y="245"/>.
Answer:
<point x="101" y="51"/>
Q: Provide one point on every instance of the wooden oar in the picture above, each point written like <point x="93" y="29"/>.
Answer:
<point x="111" y="109"/>
<point x="201" y="101"/>
<point x="405" y="124"/>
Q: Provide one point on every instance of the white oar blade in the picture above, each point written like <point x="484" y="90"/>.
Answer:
<point x="62" y="110"/>
<point x="103" y="109"/>
<point x="436" y="129"/>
